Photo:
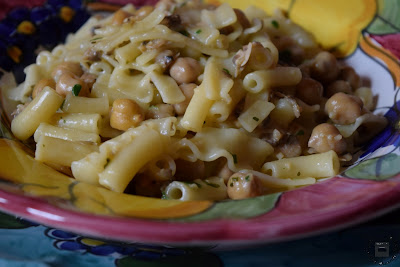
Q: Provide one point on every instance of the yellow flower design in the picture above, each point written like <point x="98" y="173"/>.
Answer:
<point x="337" y="25"/>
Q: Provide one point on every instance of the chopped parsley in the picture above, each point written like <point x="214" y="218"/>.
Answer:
<point x="164" y="195"/>
<point x="231" y="184"/>
<point x="256" y="119"/>
<point x="198" y="31"/>
<point x="301" y="132"/>
<point x="299" y="173"/>
<point x="247" y="178"/>
<point x="76" y="89"/>
<point x="226" y="71"/>
<point x="235" y="179"/>
<point x="95" y="39"/>
<point x="211" y="184"/>
<point x="275" y="24"/>
<point x="184" y="32"/>
<point x="234" y="158"/>
<point x="64" y="121"/>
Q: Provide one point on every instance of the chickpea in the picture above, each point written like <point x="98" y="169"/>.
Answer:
<point x="67" y="81"/>
<point x="42" y="84"/>
<point x="125" y="113"/>
<point x="67" y="67"/>
<point x="241" y="17"/>
<point x="348" y="74"/>
<point x="119" y="17"/>
<point x="243" y="185"/>
<point x="185" y="70"/>
<point x="325" y="67"/>
<point x="338" y="86"/>
<point x="344" y="109"/>
<point x="188" y="90"/>
<point x="160" y="111"/>
<point x="310" y="91"/>
<point x="325" y="137"/>
<point x="142" y="12"/>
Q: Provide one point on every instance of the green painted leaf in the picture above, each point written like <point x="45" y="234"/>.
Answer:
<point x="376" y="169"/>
<point x="237" y="209"/>
<point x="11" y="222"/>
<point x="387" y="20"/>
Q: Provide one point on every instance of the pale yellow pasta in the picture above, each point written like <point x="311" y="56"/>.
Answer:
<point x="215" y="82"/>
<point x="41" y="109"/>
<point x="68" y="134"/>
<point x="365" y="94"/>
<point x="275" y="182"/>
<point x="84" y="122"/>
<point x="62" y="152"/>
<point x="127" y="54"/>
<point x="212" y="188"/>
<point x="221" y="17"/>
<point x="162" y="168"/>
<point x="166" y="126"/>
<point x="100" y="68"/>
<point x="78" y="104"/>
<point x="255" y="114"/>
<point x="168" y="88"/>
<point x="205" y="34"/>
<point x="197" y="110"/>
<point x="283" y="112"/>
<point x="120" y="170"/>
<point x="317" y="165"/>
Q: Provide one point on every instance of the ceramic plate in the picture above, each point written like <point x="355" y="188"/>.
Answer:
<point x="364" y="32"/>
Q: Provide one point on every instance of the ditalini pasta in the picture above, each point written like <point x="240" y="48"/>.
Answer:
<point x="191" y="101"/>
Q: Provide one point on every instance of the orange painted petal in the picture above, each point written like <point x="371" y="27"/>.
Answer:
<point x="383" y="54"/>
<point x="37" y="179"/>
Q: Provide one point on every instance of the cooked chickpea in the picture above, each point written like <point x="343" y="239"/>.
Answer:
<point x="338" y="86"/>
<point x="119" y="17"/>
<point x="325" y="67"/>
<point x="185" y="70"/>
<point x="125" y="113"/>
<point x="348" y="74"/>
<point x="344" y="109"/>
<point x="42" y="84"/>
<point x="143" y="12"/>
<point x="66" y="83"/>
<point x="188" y="90"/>
<point x="67" y="67"/>
<point x="310" y="91"/>
<point x="325" y="137"/>
<point x="160" y="111"/>
<point x="243" y="185"/>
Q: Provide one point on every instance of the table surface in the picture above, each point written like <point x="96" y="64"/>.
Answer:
<point x="373" y="243"/>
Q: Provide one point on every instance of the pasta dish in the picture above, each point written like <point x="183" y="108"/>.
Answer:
<point x="191" y="101"/>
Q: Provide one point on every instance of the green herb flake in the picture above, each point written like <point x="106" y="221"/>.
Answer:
<point x="184" y="32"/>
<point x="256" y="119"/>
<point x="189" y="182"/>
<point x="301" y="132"/>
<point x="231" y="184"/>
<point x="247" y="178"/>
<point x="226" y="71"/>
<point x="299" y="173"/>
<point x="235" y="179"/>
<point x="164" y="195"/>
<point x="95" y="39"/>
<point x="211" y="184"/>
<point x="234" y="158"/>
<point x="76" y="89"/>
<point x="275" y="24"/>
<point x="64" y="121"/>
<point x="198" y="31"/>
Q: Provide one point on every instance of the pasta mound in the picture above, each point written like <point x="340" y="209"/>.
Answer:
<point x="191" y="101"/>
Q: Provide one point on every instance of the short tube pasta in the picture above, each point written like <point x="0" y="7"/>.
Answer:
<point x="77" y="104"/>
<point x="62" y="152"/>
<point x="316" y="166"/>
<point x="131" y="159"/>
<point x="212" y="188"/>
<point x="41" y="109"/>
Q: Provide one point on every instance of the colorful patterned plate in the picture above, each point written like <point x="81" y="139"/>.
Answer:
<point x="366" y="33"/>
